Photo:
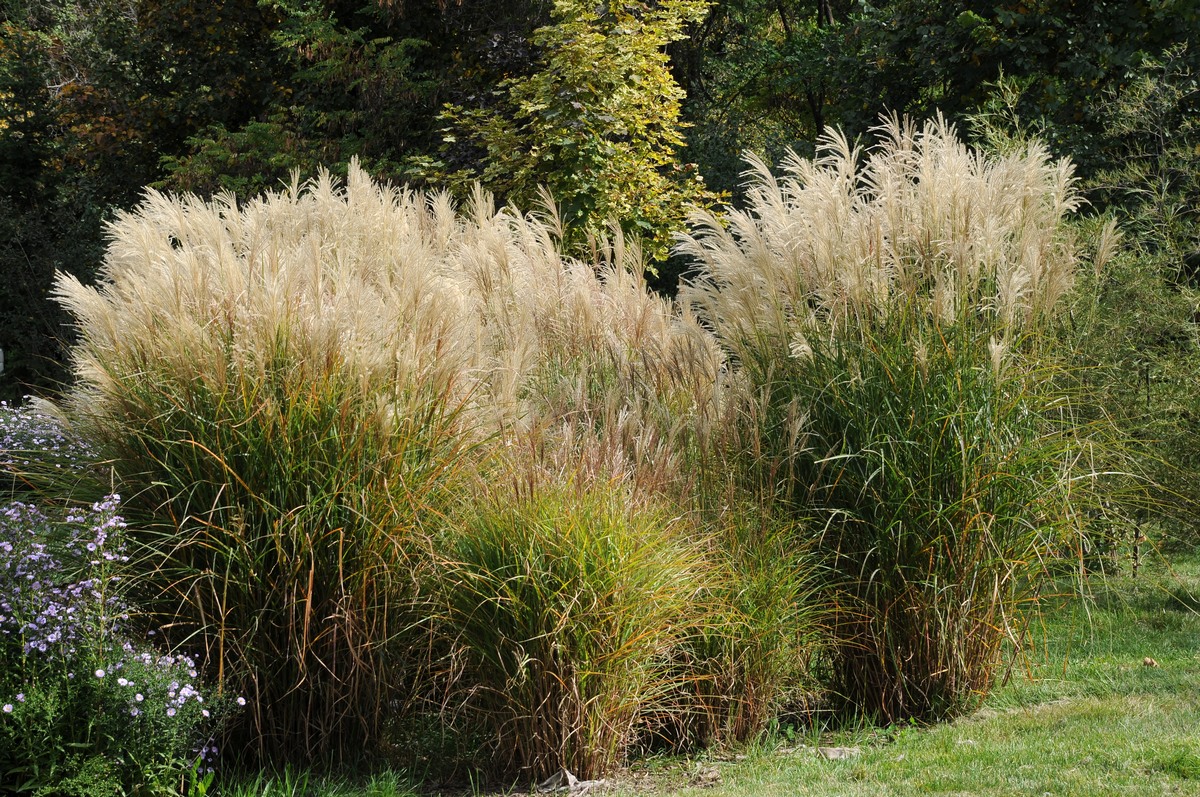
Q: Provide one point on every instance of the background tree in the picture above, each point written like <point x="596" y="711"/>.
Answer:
<point x="773" y="74"/>
<point x="597" y="124"/>
<point x="359" y="79"/>
<point x="91" y="97"/>
<point x="755" y="76"/>
<point x="47" y="222"/>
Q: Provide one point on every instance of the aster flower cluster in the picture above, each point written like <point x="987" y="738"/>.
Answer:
<point x="52" y="595"/>
<point x="136" y="673"/>
<point x="70" y="669"/>
<point x="29" y="436"/>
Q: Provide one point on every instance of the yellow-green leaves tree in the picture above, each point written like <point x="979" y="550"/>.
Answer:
<point x="597" y="124"/>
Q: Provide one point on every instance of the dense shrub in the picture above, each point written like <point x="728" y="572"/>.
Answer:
<point x="1138" y="320"/>
<point x="885" y="320"/>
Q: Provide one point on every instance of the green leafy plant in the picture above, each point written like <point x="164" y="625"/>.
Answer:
<point x="597" y="125"/>
<point x="751" y="658"/>
<point x="1138" y="319"/>
<point x="86" y="708"/>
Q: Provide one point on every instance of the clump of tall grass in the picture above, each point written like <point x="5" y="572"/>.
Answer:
<point x="286" y="390"/>
<point x="283" y="411"/>
<point x="281" y="391"/>
<point x="888" y="315"/>
<point x="563" y="601"/>
<point x="751" y="658"/>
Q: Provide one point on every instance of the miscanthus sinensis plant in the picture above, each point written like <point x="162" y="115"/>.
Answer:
<point x="86" y="708"/>
<point x="289" y="389"/>
<point x="889" y="316"/>
<point x="562" y="602"/>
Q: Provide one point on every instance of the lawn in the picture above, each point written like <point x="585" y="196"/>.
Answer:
<point x="1087" y="715"/>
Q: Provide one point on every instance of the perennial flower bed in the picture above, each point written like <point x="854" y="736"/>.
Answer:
<point x="87" y="704"/>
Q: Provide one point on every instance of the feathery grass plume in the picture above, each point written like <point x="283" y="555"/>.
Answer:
<point x="621" y="384"/>
<point x="282" y="391"/>
<point x="885" y="312"/>
<point x="563" y="599"/>
<point x="923" y="223"/>
<point x="287" y="389"/>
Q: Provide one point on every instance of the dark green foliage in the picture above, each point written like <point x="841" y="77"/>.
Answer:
<point x="1138" y="317"/>
<point x="1152" y="163"/>
<point x="769" y="74"/>
<point x="756" y="79"/>
<point x="134" y="81"/>
<point x="350" y="83"/>
<point x="47" y="221"/>
<point x="90" y="96"/>
<point x="26" y="112"/>
<point x="37" y="239"/>
<point x="360" y="79"/>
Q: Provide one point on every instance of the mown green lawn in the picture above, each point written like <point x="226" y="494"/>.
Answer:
<point x="1085" y="715"/>
<point x="1088" y="715"/>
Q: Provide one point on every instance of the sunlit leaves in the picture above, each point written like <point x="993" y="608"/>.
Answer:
<point x="597" y="124"/>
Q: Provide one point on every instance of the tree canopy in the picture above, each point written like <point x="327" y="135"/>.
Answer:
<point x="625" y="111"/>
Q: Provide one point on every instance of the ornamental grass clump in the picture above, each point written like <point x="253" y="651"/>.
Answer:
<point x="890" y="317"/>
<point x="288" y="389"/>
<point x="562" y="602"/>
<point x="282" y="391"/>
